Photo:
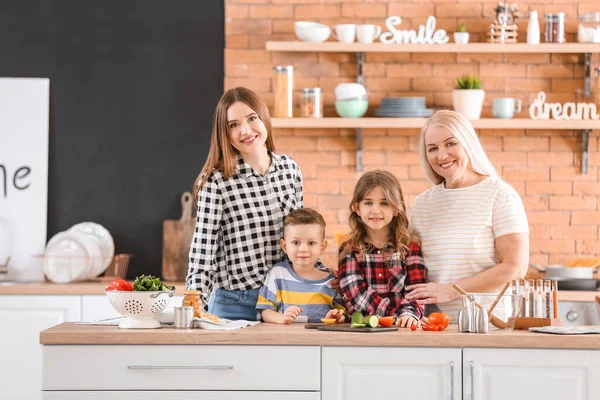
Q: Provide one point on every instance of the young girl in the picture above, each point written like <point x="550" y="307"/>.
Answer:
<point x="378" y="258"/>
<point x="243" y="194"/>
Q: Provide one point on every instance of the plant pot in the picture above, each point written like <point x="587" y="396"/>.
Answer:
<point x="461" y="37"/>
<point x="468" y="102"/>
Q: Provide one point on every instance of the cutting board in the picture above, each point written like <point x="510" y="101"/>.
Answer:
<point x="177" y="238"/>
<point x="346" y="328"/>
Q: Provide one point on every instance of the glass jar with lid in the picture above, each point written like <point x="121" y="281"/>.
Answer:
<point x="589" y="28"/>
<point x="312" y="103"/>
<point x="283" y="82"/>
<point x="191" y="298"/>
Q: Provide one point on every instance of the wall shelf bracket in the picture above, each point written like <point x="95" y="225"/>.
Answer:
<point x="359" y="150"/>
<point x="585" y="156"/>
<point x="360" y="64"/>
<point x="587" y="82"/>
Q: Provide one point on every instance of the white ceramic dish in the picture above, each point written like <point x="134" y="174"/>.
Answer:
<point x="345" y="91"/>
<point x="66" y="258"/>
<point x="313" y="32"/>
<point x="104" y="240"/>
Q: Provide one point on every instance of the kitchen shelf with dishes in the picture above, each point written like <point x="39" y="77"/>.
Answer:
<point x="585" y="126"/>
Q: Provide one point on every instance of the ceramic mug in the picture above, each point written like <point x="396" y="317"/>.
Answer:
<point x="505" y="107"/>
<point x="367" y="33"/>
<point x="345" y="33"/>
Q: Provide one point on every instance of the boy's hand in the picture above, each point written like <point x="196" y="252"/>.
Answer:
<point x="291" y="314"/>
<point x="406" y="321"/>
<point x="337" y="314"/>
<point x="335" y="285"/>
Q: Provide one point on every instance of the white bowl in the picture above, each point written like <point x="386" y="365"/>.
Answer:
<point x="313" y="32"/>
<point x="345" y="91"/>
<point x="139" y="308"/>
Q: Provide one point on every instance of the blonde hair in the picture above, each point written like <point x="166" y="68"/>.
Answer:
<point x="462" y="129"/>
<point x="399" y="235"/>
<point x="222" y="154"/>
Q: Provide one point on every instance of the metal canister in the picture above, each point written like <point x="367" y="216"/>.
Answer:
<point x="555" y="27"/>
<point x="183" y="317"/>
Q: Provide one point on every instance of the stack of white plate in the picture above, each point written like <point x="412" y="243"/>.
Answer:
<point x="82" y="252"/>
<point x="403" y="107"/>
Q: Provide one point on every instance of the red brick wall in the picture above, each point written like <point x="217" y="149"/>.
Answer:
<point x="563" y="205"/>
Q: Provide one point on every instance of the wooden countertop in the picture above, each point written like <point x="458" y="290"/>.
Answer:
<point x="96" y="287"/>
<point x="69" y="333"/>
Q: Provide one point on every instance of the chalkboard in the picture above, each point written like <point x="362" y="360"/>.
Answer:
<point x="133" y="85"/>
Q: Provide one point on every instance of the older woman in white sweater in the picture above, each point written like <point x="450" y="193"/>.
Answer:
<point x="472" y="224"/>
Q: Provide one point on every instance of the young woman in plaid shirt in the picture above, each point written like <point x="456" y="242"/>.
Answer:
<point x="243" y="194"/>
<point x="379" y="257"/>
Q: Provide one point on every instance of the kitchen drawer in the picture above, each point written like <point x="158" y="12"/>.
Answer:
<point x="185" y="367"/>
<point x="181" y="395"/>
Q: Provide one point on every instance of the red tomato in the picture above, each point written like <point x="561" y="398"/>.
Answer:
<point x="433" y="327"/>
<point x="120" y="285"/>
<point x="426" y="327"/>
<point x="413" y="327"/>
<point x="439" y="319"/>
<point x="441" y="327"/>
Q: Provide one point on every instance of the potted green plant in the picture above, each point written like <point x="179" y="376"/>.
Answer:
<point x="461" y="36"/>
<point x="467" y="99"/>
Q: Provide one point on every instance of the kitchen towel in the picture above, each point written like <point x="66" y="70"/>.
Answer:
<point x="566" y="330"/>
<point x="223" y="324"/>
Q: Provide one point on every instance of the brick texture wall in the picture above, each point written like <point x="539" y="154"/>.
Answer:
<point x="544" y="166"/>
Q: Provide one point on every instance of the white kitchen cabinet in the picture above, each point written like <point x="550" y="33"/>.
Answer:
<point x="98" y="307"/>
<point x="520" y="374"/>
<point x="23" y="317"/>
<point x="182" y="395"/>
<point x="358" y="373"/>
<point x="173" y="367"/>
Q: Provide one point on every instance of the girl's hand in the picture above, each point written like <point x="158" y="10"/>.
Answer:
<point x="291" y="314"/>
<point x="431" y="293"/>
<point x="406" y="321"/>
<point x="337" y="314"/>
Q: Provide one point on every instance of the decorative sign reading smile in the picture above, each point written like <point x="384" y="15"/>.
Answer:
<point x="426" y="34"/>
<point x="539" y="109"/>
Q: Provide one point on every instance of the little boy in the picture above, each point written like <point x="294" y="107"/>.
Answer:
<point x="294" y="290"/>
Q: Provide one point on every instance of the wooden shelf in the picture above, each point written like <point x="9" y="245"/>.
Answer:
<point x="298" y="46"/>
<point x="403" y="123"/>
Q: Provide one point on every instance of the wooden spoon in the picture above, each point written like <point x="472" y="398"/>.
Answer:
<point x="498" y="298"/>
<point x="497" y="322"/>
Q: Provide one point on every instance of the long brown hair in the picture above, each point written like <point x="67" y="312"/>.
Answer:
<point x="222" y="154"/>
<point x="399" y="235"/>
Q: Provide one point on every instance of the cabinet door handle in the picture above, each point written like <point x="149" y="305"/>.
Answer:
<point x="227" y="367"/>
<point x="472" y="380"/>
<point x="451" y="380"/>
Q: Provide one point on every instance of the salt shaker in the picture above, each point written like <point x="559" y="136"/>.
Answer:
<point x="482" y="321"/>
<point x="466" y="321"/>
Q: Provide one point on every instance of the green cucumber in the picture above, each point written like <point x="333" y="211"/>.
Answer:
<point x="372" y="321"/>
<point x="357" y="318"/>
<point x="358" y="325"/>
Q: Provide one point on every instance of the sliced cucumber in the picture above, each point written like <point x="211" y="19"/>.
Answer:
<point x="357" y="318"/>
<point x="372" y="321"/>
<point x="358" y="325"/>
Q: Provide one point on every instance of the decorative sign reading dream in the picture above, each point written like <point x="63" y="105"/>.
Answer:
<point x="539" y="109"/>
<point x="24" y="105"/>
<point x="426" y="34"/>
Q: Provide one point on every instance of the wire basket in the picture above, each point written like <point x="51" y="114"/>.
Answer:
<point x="118" y="266"/>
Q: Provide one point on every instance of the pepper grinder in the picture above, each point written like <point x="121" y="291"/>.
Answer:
<point x="466" y="320"/>
<point x="482" y="321"/>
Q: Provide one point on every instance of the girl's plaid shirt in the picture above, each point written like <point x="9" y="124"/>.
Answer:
<point x="374" y="282"/>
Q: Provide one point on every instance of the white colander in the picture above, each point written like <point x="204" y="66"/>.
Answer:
<point x="139" y="308"/>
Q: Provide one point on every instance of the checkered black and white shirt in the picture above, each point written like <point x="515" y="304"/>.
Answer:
<point x="239" y="224"/>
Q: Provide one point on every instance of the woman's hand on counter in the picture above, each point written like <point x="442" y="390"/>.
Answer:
<point x="431" y="293"/>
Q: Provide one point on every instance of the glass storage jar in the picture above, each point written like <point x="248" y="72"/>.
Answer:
<point x="589" y="28"/>
<point x="191" y="298"/>
<point x="312" y="103"/>
<point x="283" y="81"/>
<point x="597" y="88"/>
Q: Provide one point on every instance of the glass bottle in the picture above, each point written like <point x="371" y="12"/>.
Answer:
<point x="191" y="298"/>
<point x="555" y="298"/>
<point x="283" y="81"/>
<point x="312" y="103"/>
<point x="548" y="312"/>
<point x="597" y="88"/>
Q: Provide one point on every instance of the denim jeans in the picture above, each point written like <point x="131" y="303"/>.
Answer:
<point x="234" y="304"/>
